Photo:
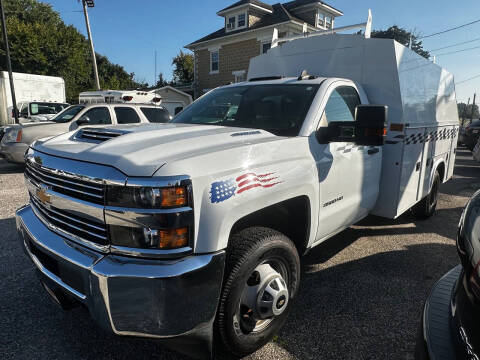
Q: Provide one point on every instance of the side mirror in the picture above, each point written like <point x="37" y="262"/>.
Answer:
<point x="370" y="125"/>
<point x="323" y="135"/>
<point x="337" y="131"/>
<point x="83" y="120"/>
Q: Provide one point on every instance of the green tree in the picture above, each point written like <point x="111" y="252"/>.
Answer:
<point x="403" y="37"/>
<point x="183" y="72"/>
<point x="465" y="111"/>
<point x="41" y="43"/>
<point x="161" y="82"/>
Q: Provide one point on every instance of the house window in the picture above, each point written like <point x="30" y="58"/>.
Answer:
<point x="241" y="20"/>
<point x="231" y="23"/>
<point x="328" y="22"/>
<point x="214" y="62"/>
<point x="266" y="47"/>
<point x="321" y="20"/>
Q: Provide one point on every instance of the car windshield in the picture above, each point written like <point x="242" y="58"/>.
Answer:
<point x="68" y="114"/>
<point x="46" y="108"/>
<point x="279" y="108"/>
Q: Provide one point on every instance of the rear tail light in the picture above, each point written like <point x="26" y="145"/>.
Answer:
<point x="128" y="98"/>
<point x="19" y="136"/>
<point x="156" y="99"/>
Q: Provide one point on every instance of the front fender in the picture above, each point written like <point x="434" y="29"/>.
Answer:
<point x="218" y="216"/>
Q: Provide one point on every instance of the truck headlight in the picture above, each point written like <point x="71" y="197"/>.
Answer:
<point x="12" y="135"/>
<point x="147" y="215"/>
<point x="144" y="238"/>
<point x="147" y="197"/>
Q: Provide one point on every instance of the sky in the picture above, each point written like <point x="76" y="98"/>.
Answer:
<point x="129" y="32"/>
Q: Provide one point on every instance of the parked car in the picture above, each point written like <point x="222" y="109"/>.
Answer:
<point x="451" y="316"/>
<point x="35" y="111"/>
<point x="18" y="137"/>
<point x="471" y="135"/>
<point x="192" y="231"/>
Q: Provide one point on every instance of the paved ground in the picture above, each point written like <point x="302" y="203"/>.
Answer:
<point x="361" y="295"/>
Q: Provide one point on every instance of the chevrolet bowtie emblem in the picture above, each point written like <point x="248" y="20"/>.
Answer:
<point x="42" y="194"/>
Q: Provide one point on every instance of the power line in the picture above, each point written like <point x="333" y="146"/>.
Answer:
<point x="457" y="51"/>
<point x="448" y="30"/>
<point x="457" y="44"/>
<point x="463" y="81"/>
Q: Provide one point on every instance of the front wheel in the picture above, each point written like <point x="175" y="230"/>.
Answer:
<point x="427" y="206"/>
<point x="262" y="276"/>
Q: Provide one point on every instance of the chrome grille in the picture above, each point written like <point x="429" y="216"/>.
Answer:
<point x="66" y="184"/>
<point x="70" y="224"/>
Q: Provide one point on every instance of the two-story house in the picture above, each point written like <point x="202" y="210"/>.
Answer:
<point x="222" y="57"/>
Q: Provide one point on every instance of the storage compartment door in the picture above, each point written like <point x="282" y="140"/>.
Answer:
<point x="454" y="130"/>
<point x="411" y="168"/>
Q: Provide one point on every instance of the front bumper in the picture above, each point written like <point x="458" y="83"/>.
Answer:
<point x="446" y="332"/>
<point x="14" y="152"/>
<point x="161" y="299"/>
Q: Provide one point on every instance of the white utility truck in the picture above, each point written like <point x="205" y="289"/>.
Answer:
<point x="32" y="92"/>
<point x="191" y="231"/>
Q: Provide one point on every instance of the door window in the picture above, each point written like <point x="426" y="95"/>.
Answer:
<point x="98" y="116"/>
<point x="23" y="110"/>
<point x="341" y="105"/>
<point x="126" y="115"/>
<point x="156" y="115"/>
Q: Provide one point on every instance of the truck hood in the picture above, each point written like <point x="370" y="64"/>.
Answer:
<point x="142" y="149"/>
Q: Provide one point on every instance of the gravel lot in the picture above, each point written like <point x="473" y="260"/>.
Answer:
<point x="361" y="295"/>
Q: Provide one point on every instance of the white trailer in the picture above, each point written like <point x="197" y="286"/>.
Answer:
<point x="28" y="88"/>
<point x="420" y="95"/>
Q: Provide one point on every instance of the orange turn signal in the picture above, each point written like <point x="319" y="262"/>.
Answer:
<point x="173" y="238"/>
<point x="175" y="196"/>
<point x="396" y="127"/>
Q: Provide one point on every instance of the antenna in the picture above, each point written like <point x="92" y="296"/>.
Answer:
<point x="155" y="80"/>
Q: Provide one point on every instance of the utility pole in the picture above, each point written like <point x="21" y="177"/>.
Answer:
<point x="464" y="113"/>
<point x="473" y="108"/>
<point x="155" y="81"/>
<point x="9" y="64"/>
<point x="90" y="3"/>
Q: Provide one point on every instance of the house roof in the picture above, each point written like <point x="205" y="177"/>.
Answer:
<point x="243" y="2"/>
<point x="297" y="3"/>
<point x="279" y="15"/>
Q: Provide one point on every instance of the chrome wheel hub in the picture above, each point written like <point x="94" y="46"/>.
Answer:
<point x="266" y="293"/>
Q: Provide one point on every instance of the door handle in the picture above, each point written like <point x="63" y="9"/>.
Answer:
<point x="373" y="151"/>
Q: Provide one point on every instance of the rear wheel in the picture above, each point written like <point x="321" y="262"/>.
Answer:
<point x="262" y="277"/>
<point x="427" y="206"/>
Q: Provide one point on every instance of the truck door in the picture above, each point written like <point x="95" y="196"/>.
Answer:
<point x="349" y="175"/>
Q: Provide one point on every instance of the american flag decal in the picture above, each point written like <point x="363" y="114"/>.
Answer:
<point x="223" y="190"/>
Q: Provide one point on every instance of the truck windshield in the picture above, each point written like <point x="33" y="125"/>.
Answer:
<point x="68" y="114"/>
<point x="37" y="108"/>
<point x="279" y="108"/>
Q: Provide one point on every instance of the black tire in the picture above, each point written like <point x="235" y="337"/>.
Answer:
<point x="427" y="206"/>
<point x="248" y="249"/>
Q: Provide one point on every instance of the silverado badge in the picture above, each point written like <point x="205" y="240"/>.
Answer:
<point x="42" y="194"/>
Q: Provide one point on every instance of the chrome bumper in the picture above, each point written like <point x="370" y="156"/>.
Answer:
<point x="14" y="152"/>
<point x="130" y="296"/>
